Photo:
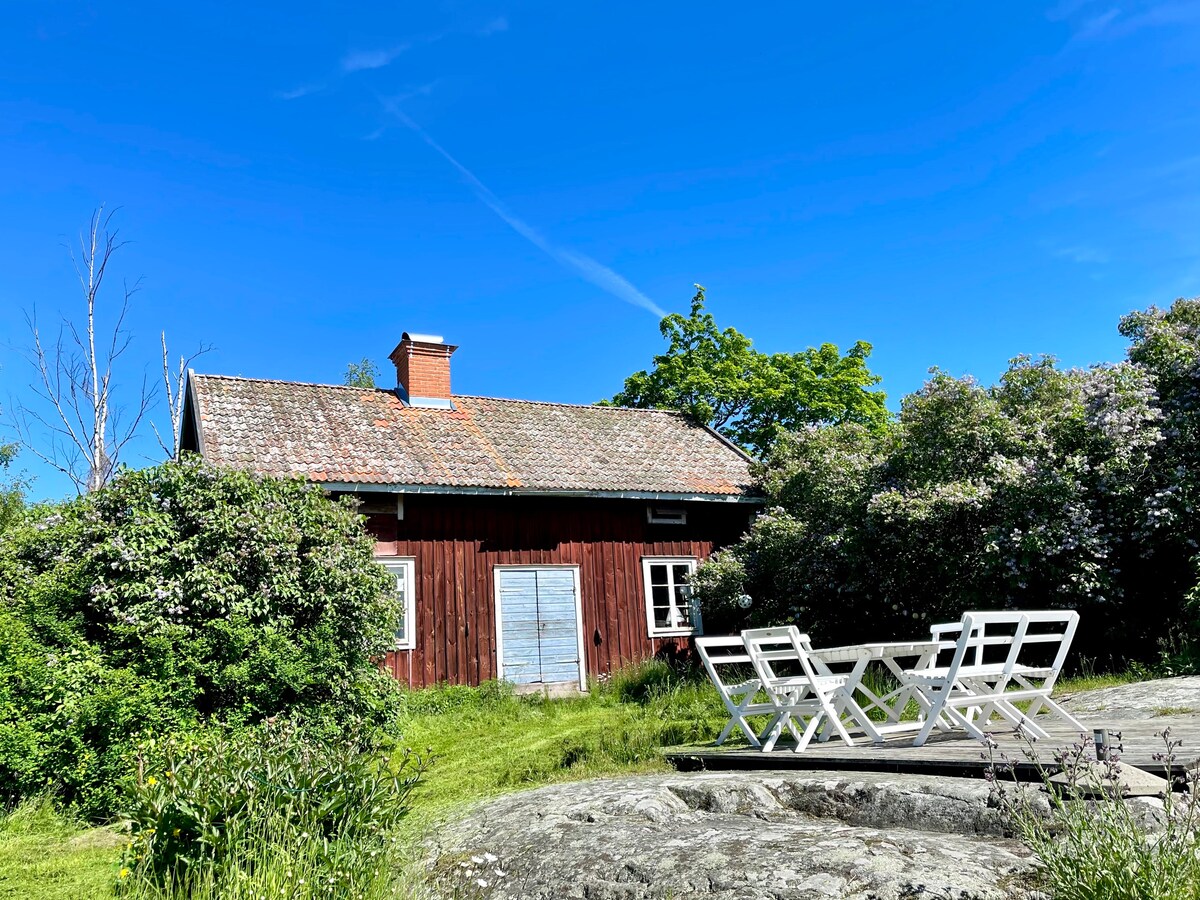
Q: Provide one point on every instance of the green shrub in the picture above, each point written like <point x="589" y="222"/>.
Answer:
<point x="201" y="803"/>
<point x="66" y="717"/>
<point x="178" y="595"/>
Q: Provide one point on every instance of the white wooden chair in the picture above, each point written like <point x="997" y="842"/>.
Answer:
<point x="798" y="688"/>
<point x="733" y="675"/>
<point x="1024" y="665"/>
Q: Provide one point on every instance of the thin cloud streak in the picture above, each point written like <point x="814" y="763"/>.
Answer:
<point x="303" y="91"/>
<point x="359" y="60"/>
<point x="366" y="60"/>
<point x="587" y="268"/>
<point x="423" y="90"/>
<point x="1081" y="253"/>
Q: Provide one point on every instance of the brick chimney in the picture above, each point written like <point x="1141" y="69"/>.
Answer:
<point x="423" y="370"/>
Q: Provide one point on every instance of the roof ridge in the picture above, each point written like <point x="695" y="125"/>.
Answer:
<point x="637" y="409"/>
<point x="348" y="387"/>
<point x="351" y="387"/>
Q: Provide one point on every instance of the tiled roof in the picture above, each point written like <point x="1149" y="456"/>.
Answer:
<point x="368" y="436"/>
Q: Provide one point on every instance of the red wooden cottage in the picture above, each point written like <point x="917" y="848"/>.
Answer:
<point x="541" y="543"/>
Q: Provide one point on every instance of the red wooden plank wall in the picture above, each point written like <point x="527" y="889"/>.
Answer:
<point x="457" y="540"/>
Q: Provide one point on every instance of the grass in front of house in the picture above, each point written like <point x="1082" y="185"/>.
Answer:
<point x="488" y="741"/>
<point x="45" y="856"/>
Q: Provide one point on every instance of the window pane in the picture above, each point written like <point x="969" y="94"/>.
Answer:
<point x="683" y="605"/>
<point x="681" y="572"/>
<point x="402" y="572"/>
<point x="661" y="595"/>
<point x="659" y="573"/>
<point x="402" y="628"/>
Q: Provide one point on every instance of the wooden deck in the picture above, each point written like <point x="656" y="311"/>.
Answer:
<point x="956" y="754"/>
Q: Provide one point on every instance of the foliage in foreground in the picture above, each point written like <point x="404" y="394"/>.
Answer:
<point x="482" y="742"/>
<point x="1095" y="846"/>
<point x="178" y="595"/>
<point x="717" y="378"/>
<point x="218" y="810"/>
<point x="1053" y="488"/>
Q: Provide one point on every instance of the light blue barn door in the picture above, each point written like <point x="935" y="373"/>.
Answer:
<point x="539" y="639"/>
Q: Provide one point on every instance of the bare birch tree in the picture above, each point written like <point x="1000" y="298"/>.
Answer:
<point x="174" y="383"/>
<point x="82" y="430"/>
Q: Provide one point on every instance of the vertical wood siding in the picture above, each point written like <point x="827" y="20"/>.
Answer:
<point x="458" y="541"/>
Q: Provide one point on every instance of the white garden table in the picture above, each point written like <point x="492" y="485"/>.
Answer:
<point x="893" y="702"/>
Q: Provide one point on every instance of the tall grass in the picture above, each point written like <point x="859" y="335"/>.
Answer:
<point x="489" y="740"/>
<point x="482" y="741"/>
<point x="278" y="858"/>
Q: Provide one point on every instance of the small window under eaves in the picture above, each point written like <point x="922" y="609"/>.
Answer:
<point x="379" y="504"/>
<point x="666" y="515"/>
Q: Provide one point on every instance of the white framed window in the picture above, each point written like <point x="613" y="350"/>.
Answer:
<point x="670" y="607"/>
<point x="402" y="570"/>
<point x="666" y="515"/>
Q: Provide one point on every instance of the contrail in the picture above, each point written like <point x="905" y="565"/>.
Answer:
<point x="586" y="267"/>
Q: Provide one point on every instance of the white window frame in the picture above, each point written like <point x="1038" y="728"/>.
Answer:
<point x="666" y="515"/>
<point x="404" y="567"/>
<point x="697" y="627"/>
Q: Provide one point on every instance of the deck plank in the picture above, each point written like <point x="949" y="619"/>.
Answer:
<point x="957" y="754"/>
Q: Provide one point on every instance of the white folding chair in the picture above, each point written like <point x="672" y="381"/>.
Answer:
<point x="797" y="690"/>
<point x="733" y="675"/>
<point x="968" y="692"/>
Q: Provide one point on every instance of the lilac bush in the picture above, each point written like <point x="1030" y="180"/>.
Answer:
<point x="1055" y="487"/>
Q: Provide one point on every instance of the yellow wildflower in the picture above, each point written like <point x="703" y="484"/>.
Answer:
<point x="124" y="873"/>
<point x="175" y="833"/>
<point x="152" y="781"/>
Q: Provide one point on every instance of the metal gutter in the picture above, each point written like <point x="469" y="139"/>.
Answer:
<point x="366" y="488"/>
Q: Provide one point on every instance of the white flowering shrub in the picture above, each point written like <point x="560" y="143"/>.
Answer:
<point x="1053" y="488"/>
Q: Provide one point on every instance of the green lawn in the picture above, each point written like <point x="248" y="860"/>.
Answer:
<point x="45" y="857"/>
<point x="484" y="742"/>
<point x="480" y="742"/>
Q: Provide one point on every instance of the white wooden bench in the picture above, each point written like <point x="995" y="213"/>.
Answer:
<point x="996" y="660"/>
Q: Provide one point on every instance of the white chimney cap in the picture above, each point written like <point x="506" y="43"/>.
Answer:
<point x="423" y="338"/>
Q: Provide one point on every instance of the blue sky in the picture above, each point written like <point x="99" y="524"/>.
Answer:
<point x="301" y="183"/>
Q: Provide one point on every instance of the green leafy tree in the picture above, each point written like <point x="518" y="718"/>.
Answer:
<point x="176" y="595"/>
<point x="717" y="378"/>
<point x="361" y="374"/>
<point x="12" y="489"/>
